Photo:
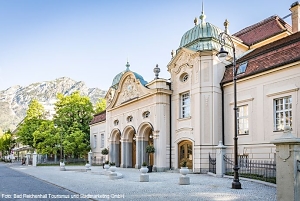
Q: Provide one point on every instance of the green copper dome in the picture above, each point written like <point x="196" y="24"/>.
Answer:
<point x="118" y="77"/>
<point x="203" y="36"/>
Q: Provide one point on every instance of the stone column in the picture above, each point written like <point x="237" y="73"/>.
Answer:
<point x="287" y="166"/>
<point x="90" y="157"/>
<point x="129" y="155"/>
<point x="123" y="152"/>
<point x="138" y="153"/>
<point x="220" y="164"/>
<point x="118" y="162"/>
<point x="34" y="159"/>
<point x="110" y="152"/>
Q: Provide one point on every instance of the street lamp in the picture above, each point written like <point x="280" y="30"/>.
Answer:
<point x="61" y="160"/>
<point x="222" y="55"/>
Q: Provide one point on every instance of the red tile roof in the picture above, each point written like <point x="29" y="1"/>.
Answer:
<point x="262" y="30"/>
<point x="99" y="117"/>
<point x="270" y="56"/>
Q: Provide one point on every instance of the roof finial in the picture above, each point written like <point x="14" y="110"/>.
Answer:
<point x="202" y="16"/>
<point x="226" y="24"/>
<point x="172" y="53"/>
<point x="127" y="65"/>
<point x="196" y="21"/>
<point x="156" y="71"/>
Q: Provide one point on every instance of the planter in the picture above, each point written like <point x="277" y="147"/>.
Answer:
<point x="106" y="167"/>
<point x="112" y="168"/>
<point x="184" y="171"/>
<point x="144" y="169"/>
<point x="87" y="166"/>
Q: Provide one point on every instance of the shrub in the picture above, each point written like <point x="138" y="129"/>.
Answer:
<point x="144" y="164"/>
<point x="150" y="149"/>
<point x="104" y="151"/>
<point x="112" y="164"/>
<point x="106" y="162"/>
<point x="183" y="164"/>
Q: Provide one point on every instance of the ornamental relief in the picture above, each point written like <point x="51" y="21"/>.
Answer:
<point x="110" y="96"/>
<point x="185" y="58"/>
<point x="129" y="89"/>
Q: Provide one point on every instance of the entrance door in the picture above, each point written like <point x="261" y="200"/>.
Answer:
<point x="185" y="149"/>
<point x="150" y="142"/>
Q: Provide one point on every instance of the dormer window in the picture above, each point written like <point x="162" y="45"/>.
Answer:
<point x="116" y="122"/>
<point x="242" y="68"/>
<point x="184" y="77"/>
<point x="146" y="114"/>
<point x="129" y="119"/>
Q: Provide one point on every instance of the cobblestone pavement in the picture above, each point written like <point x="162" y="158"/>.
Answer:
<point x="96" y="185"/>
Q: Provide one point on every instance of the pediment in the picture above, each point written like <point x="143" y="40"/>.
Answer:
<point x="129" y="89"/>
<point x="184" y="58"/>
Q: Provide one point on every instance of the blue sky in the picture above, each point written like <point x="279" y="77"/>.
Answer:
<point x="90" y="40"/>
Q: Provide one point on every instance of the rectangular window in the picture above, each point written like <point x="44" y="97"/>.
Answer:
<point x="243" y="120"/>
<point x="95" y="141"/>
<point x="282" y="113"/>
<point x="102" y="140"/>
<point x="185" y="105"/>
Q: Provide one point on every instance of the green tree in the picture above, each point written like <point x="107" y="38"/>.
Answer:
<point x="47" y="138"/>
<point x="75" y="144"/>
<point x="7" y="143"/>
<point x="100" y="105"/>
<point x="32" y="121"/>
<point x="73" y="115"/>
<point x="35" y="110"/>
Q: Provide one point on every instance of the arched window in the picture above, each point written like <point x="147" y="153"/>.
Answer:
<point x="184" y="77"/>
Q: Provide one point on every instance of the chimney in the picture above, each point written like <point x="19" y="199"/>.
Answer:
<point x="295" y="9"/>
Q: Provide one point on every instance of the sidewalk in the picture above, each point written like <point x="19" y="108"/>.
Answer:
<point x="162" y="185"/>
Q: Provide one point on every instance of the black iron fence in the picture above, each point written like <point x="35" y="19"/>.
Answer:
<point x="44" y="159"/>
<point x="254" y="169"/>
<point x="212" y="163"/>
<point x="98" y="161"/>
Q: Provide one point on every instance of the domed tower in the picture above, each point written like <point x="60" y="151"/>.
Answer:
<point x="196" y="74"/>
<point x="203" y="36"/>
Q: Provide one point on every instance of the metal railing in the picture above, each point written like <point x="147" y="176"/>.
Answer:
<point x="43" y="159"/>
<point x="97" y="161"/>
<point x="212" y="163"/>
<point x="254" y="169"/>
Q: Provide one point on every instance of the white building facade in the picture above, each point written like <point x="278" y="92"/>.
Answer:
<point x="186" y="116"/>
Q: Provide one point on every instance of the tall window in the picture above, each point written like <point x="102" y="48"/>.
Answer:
<point x="95" y="141"/>
<point x="243" y="120"/>
<point x="185" y="105"/>
<point x="283" y="113"/>
<point x="102" y="140"/>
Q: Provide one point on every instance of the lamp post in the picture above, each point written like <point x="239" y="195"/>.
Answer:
<point x="222" y="55"/>
<point x="62" y="161"/>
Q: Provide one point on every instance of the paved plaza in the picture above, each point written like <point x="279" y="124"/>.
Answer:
<point x="94" y="184"/>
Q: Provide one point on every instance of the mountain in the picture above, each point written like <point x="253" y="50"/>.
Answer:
<point x="14" y="101"/>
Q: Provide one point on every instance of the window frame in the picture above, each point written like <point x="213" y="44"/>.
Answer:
<point x="102" y="142"/>
<point x="95" y="141"/>
<point x="185" y="109"/>
<point x="241" y="120"/>
<point x="289" y="110"/>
